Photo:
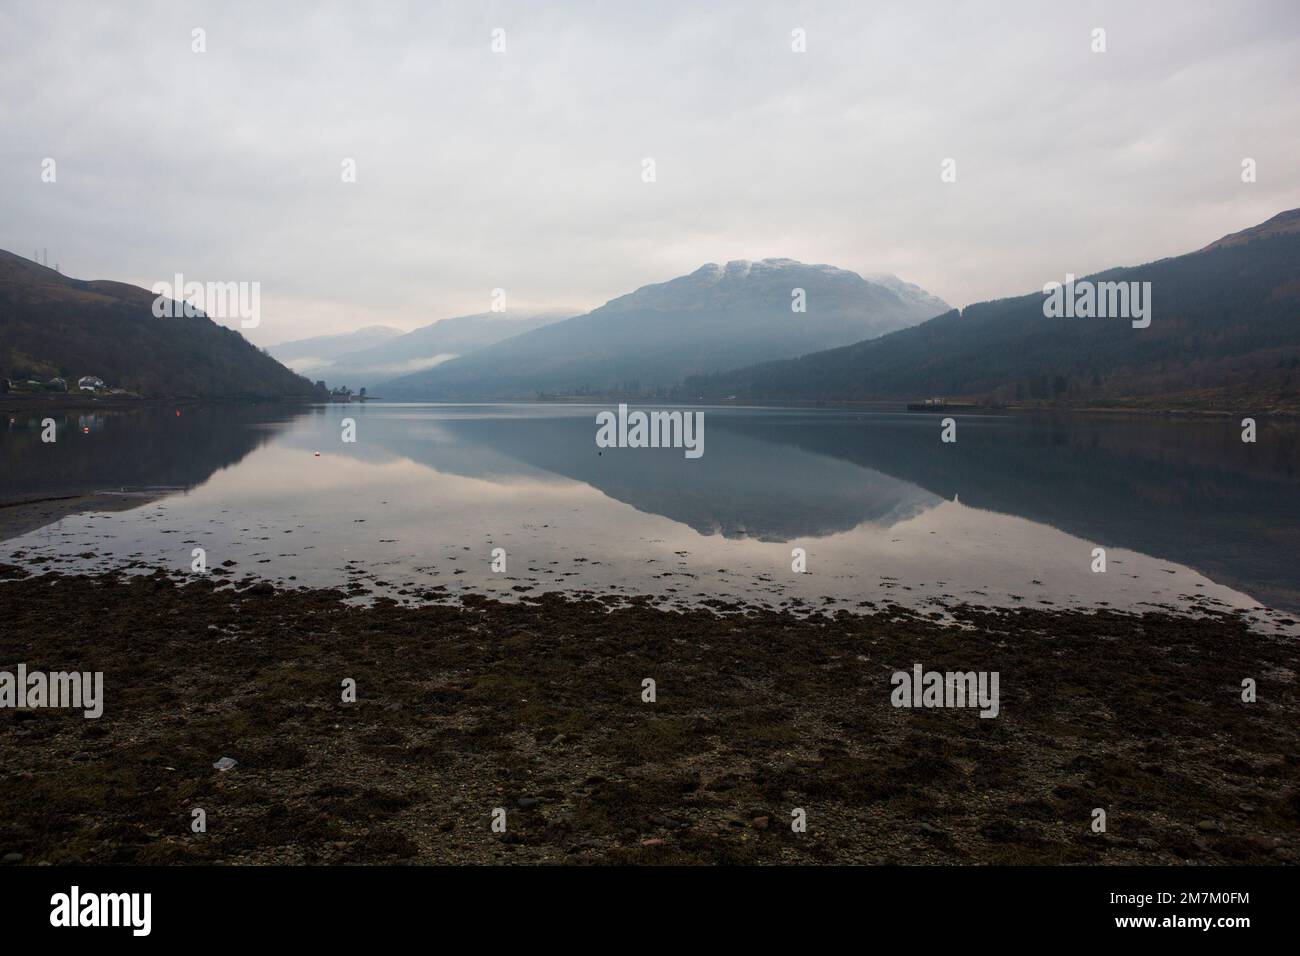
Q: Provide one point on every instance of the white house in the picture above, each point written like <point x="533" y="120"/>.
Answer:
<point x="88" y="383"/>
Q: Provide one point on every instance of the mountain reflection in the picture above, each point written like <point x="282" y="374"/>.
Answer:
<point x="1188" y="491"/>
<point x="1184" y="491"/>
<point x="129" y="449"/>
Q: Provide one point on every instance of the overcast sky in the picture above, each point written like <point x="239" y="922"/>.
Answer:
<point x="523" y="170"/>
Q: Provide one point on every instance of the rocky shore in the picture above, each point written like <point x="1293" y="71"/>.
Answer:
<point x="538" y="708"/>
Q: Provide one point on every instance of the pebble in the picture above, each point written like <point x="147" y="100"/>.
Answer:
<point x="224" y="764"/>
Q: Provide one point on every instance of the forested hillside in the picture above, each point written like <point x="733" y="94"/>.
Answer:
<point x="51" y="325"/>
<point x="1224" y="332"/>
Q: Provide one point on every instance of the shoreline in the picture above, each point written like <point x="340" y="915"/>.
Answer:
<point x="14" y="403"/>
<point x="31" y="514"/>
<point x="536" y="707"/>
<point x="11" y="404"/>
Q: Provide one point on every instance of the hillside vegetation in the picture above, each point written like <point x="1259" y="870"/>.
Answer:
<point x="51" y="325"/>
<point x="1224" y="332"/>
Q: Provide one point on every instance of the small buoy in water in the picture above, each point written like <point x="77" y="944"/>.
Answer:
<point x="85" y="430"/>
<point x="178" y="413"/>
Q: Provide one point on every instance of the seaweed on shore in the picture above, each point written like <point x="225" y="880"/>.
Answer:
<point x="536" y="708"/>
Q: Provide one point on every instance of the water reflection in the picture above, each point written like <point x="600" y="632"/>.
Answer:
<point x="868" y="495"/>
<point x="136" y="449"/>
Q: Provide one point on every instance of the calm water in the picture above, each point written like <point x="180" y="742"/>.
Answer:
<point x="886" y="512"/>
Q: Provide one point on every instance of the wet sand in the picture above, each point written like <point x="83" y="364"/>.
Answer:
<point x="536" y="707"/>
<point x="20" y="517"/>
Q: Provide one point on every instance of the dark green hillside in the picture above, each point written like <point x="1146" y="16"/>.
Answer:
<point x="51" y="325"/>
<point x="1225" y="332"/>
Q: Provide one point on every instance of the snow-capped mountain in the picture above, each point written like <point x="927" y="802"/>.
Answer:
<point x="716" y="318"/>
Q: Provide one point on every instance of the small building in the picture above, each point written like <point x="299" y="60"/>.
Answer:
<point x="57" y="384"/>
<point x="89" y="383"/>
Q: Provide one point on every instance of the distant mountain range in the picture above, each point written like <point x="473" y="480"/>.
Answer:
<point x="1224" y="333"/>
<point x="306" y="356"/>
<point x="649" y="341"/>
<point x="54" y="326"/>
<point x="377" y="354"/>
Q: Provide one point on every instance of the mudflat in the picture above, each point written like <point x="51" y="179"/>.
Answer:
<point x="19" y="517"/>
<point x="537" y="708"/>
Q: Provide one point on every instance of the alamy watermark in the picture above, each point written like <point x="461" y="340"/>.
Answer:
<point x="74" y="689"/>
<point x="217" y="300"/>
<point x="922" y="688"/>
<point x="75" y="908"/>
<point x="1086" y="299"/>
<point x="657" y="429"/>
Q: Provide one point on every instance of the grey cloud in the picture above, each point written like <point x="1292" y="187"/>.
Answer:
<point x="522" y="170"/>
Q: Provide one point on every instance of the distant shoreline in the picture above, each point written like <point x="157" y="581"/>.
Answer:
<point x="890" y="406"/>
<point x="17" y="402"/>
<point x="14" y="403"/>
